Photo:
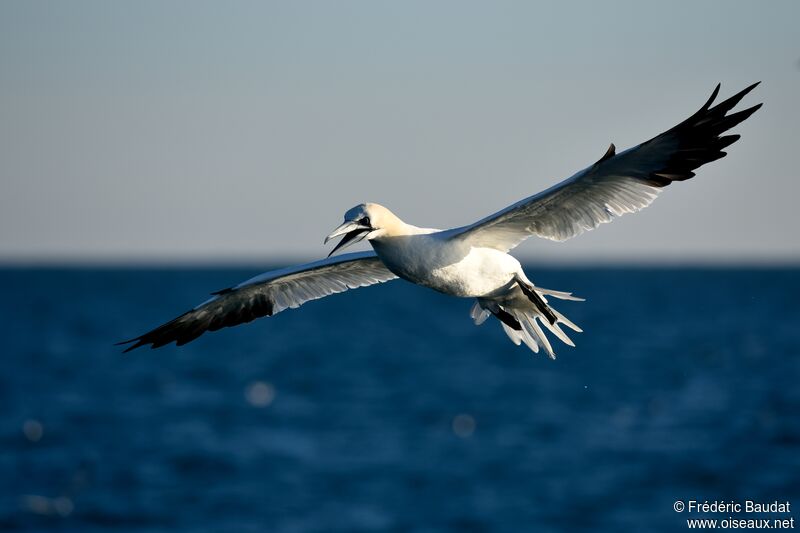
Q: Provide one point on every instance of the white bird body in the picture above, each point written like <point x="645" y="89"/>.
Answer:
<point x="432" y="259"/>
<point x="473" y="261"/>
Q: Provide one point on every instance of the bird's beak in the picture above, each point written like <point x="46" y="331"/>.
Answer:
<point x="353" y="232"/>
<point x="348" y="225"/>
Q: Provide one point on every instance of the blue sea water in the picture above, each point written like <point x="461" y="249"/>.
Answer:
<point x="386" y="409"/>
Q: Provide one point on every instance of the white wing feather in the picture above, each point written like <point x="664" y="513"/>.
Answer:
<point x="617" y="184"/>
<point x="268" y="294"/>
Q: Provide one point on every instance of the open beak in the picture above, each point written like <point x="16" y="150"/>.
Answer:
<point x="353" y="232"/>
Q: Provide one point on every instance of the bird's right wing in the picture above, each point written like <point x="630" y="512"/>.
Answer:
<point x="268" y="294"/>
<point x="616" y="184"/>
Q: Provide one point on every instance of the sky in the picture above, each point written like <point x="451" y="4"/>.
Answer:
<point x="196" y="132"/>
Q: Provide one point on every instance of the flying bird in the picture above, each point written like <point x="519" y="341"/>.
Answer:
<point x="473" y="261"/>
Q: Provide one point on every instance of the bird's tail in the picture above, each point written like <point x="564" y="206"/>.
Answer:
<point x="523" y="320"/>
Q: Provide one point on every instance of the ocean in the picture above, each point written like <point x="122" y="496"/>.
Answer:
<point x="386" y="409"/>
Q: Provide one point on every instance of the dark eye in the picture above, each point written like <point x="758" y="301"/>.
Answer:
<point x="365" y="221"/>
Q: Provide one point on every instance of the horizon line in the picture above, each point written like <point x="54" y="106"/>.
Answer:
<point x="246" y="261"/>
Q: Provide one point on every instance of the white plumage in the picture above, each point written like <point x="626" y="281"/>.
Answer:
<point x="473" y="261"/>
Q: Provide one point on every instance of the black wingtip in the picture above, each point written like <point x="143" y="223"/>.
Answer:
<point x="132" y="347"/>
<point x="750" y="87"/>
<point x="727" y="140"/>
<point x="700" y="138"/>
<point x="740" y="116"/>
<point x="733" y="101"/>
<point x="711" y="98"/>
<point x="122" y="343"/>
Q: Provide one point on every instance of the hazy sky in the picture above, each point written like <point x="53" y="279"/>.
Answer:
<point x="234" y="130"/>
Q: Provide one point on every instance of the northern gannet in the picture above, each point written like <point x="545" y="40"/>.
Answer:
<point x="473" y="261"/>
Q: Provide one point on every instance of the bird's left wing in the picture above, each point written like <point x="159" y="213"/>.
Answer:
<point x="268" y="294"/>
<point x="616" y="184"/>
